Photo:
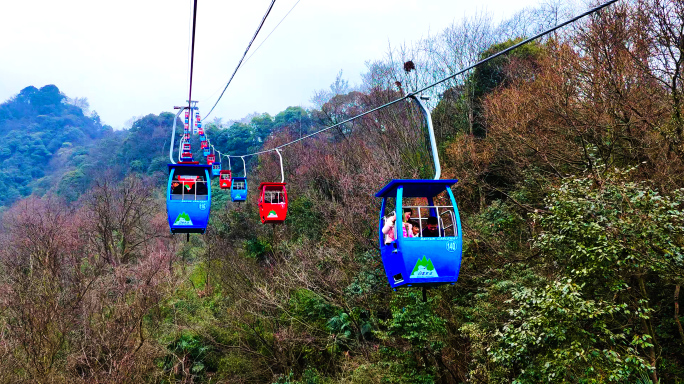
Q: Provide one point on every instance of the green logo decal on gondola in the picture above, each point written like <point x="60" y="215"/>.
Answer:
<point x="424" y="269"/>
<point x="272" y="215"/>
<point x="183" y="219"/>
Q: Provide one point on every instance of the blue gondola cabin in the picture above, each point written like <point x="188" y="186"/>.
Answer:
<point x="238" y="189"/>
<point x="188" y="198"/>
<point x="216" y="169"/>
<point x="433" y="257"/>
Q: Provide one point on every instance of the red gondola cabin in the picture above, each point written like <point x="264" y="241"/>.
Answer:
<point x="186" y="156"/>
<point x="225" y="179"/>
<point x="272" y="202"/>
<point x="211" y="159"/>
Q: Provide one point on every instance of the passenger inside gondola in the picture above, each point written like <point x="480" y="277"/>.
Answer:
<point x="184" y="188"/>
<point x="274" y="197"/>
<point x="201" y="187"/>
<point x="176" y="188"/>
<point x="431" y="230"/>
<point x="415" y="227"/>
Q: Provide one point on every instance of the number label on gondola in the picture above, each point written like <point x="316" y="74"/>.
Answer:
<point x="451" y="246"/>
<point x="202" y="206"/>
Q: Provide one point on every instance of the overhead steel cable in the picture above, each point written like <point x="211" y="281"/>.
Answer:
<point x="263" y="20"/>
<point x="589" y="12"/>
<point x="273" y="30"/>
<point x="192" y="53"/>
<point x="262" y="42"/>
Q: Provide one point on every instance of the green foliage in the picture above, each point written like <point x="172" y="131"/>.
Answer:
<point x="187" y="358"/>
<point x="258" y="248"/>
<point x="295" y="117"/>
<point x="310" y="376"/>
<point x="556" y="335"/>
<point x="72" y="185"/>
<point x="493" y="73"/>
<point x="605" y="232"/>
<point x="311" y="308"/>
<point x="34" y="126"/>
<point x="304" y="219"/>
<point x="416" y="333"/>
<point x="461" y="108"/>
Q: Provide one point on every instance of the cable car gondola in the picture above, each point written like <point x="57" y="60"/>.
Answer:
<point x="225" y="176"/>
<point x="224" y="179"/>
<point x="273" y="199"/>
<point x="188" y="191"/>
<point x="216" y="162"/>
<point x="188" y="197"/>
<point x="238" y="186"/>
<point x="421" y="261"/>
<point x="186" y="156"/>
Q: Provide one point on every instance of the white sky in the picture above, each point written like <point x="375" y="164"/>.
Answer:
<point x="130" y="57"/>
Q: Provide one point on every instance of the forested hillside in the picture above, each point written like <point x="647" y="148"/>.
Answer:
<point x="36" y="127"/>
<point x="569" y="154"/>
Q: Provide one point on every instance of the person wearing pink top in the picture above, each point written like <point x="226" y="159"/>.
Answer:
<point x="389" y="228"/>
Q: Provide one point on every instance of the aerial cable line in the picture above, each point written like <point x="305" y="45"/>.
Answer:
<point x="269" y="35"/>
<point x="192" y="53"/>
<point x="589" y="12"/>
<point x="263" y="20"/>
<point x="262" y="43"/>
<point x="187" y="74"/>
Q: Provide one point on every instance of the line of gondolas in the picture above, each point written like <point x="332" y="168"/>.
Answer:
<point x="426" y="256"/>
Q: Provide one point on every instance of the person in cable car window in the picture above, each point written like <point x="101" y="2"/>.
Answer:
<point x="408" y="228"/>
<point x="389" y="229"/>
<point x="415" y="228"/>
<point x="274" y="197"/>
<point x="431" y="229"/>
<point x="176" y="187"/>
<point x="201" y="186"/>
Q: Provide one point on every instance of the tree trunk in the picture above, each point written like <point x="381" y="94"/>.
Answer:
<point x="648" y="330"/>
<point x="676" y="313"/>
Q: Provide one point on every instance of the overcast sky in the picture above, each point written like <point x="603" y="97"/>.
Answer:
<point x="131" y="58"/>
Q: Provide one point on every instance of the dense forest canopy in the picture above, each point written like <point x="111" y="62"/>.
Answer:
<point x="569" y="154"/>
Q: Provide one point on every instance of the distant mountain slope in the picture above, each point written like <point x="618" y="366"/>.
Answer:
<point x="48" y="145"/>
<point x="36" y="126"/>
